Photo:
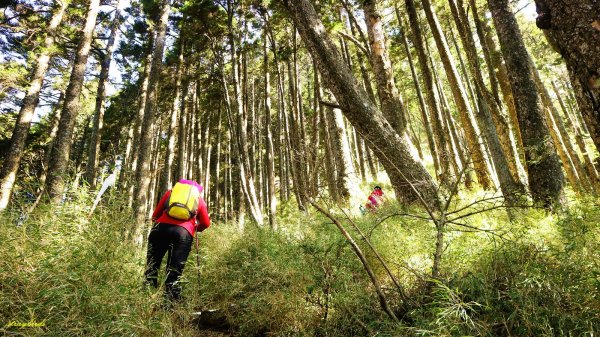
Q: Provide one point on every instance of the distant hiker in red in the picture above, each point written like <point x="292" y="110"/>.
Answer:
<point x="375" y="199"/>
<point x="179" y="214"/>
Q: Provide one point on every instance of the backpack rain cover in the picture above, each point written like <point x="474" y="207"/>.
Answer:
<point x="183" y="202"/>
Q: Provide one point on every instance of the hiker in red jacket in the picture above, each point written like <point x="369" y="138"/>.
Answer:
<point x="375" y="199"/>
<point x="174" y="235"/>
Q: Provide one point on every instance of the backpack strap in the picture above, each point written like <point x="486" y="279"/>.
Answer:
<point x="166" y="205"/>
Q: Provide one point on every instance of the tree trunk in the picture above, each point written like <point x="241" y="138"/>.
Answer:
<point x="588" y="106"/>
<point x="461" y="163"/>
<point x="227" y="207"/>
<point x="279" y="142"/>
<point x="422" y="105"/>
<point x="155" y="151"/>
<point x="476" y="147"/>
<point x="391" y="106"/>
<point x="576" y="128"/>
<point x="297" y="127"/>
<point x="367" y="86"/>
<point x="283" y="185"/>
<point x="270" y="153"/>
<point x="363" y="69"/>
<point x="359" y="144"/>
<point x="78" y="148"/>
<point x="61" y="152"/>
<point x="137" y="127"/>
<point x="53" y="127"/>
<point x="567" y="161"/>
<point x="206" y="129"/>
<point x="286" y="141"/>
<point x="501" y="152"/>
<point x="330" y="166"/>
<point x="201" y="118"/>
<point x="247" y="180"/>
<point x="190" y="150"/>
<point x="391" y="101"/>
<point x="406" y="172"/>
<point x="574" y="101"/>
<point x="346" y="174"/>
<point x="485" y="49"/>
<point x="572" y="29"/>
<point x="127" y="155"/>
<point x="543" y="166"/>
<point x="166" y="178"/>
<point x="19" y="136"/>
<point x="142" y="176"/>
<point x="504" y="83"/>
<point x="372" y="162"/>
<point x="314" y="165"/>
<point x="94" y="148"/>
<point x="499" y="116"/>
<point x="432" y="102"/>
<point x="342" y="163"/>
<point x="293" y="137"/>
<point x="562" y="137"/>
<point x="215" y="164"/>
<point x="247" y="108"/>
<point x="414" y="136"/>
<point x="463" y="69"/>
<point x="182" y="128"/>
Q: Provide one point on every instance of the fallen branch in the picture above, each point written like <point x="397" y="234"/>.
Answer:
<point x="382" y="299"/>
<point x="400" y="288"/>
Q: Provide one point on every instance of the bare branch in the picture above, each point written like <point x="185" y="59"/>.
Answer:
<point x="330" y="104"/>
<point x="483" y="210"/>
<point x="496" y="198"/>
<point x="355" y="24"/>
<point x="355" y="41"/>
<point x="454" y="190"/>
<point x="400" y="288"/>
<point x="395" y="215"/>
<point x="382" y="299"/>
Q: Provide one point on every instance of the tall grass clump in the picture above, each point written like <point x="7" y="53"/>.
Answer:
<point x="75" y="276"/>
<point x="539" y="279"/>
<point x="299" y="280"/>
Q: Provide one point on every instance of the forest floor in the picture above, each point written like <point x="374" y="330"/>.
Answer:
<point x="211" y="323"/>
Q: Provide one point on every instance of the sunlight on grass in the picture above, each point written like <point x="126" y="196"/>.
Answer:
<point x="535" y="275"/>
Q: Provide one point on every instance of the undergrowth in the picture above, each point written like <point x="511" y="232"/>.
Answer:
<point x="538" y="275"/>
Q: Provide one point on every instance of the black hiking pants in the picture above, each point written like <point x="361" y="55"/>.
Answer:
<point x="175" y="240"/>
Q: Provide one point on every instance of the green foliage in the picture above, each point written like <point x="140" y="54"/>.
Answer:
<point x="541" y="281"/>
<point x="12" y="78"/>
<point x="79" y="277"/>
<point x="300" y="280"/>
<point x="260" y="281"/>
<point x="7" y="124"/>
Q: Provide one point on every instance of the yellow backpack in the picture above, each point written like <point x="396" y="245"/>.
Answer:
<point x="183" y="202"/>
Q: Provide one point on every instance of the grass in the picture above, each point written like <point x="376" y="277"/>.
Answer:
<point x="539" y="276"/>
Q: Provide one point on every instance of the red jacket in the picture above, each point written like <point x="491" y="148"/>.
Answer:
<point x="376" y="197"/>
<point x="200" y="222"/>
